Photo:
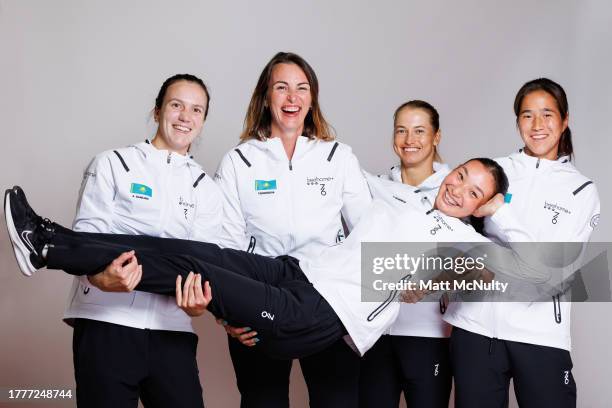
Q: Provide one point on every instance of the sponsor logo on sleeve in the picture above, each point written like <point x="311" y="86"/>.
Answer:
<point x="594" y="221"/>
<point x="141" y="191"/>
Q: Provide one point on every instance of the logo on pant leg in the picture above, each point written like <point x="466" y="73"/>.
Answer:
<point x="267" y="315"/>
<point x="566" y="380"/>
<point x="436" y="369"/>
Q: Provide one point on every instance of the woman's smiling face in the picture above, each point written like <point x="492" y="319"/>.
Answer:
<point x="541" y="125"/>
<point x="466" y="188"/>
<point x="289" y="98"/>
<point x="414" y="138"/>
<point x="181" y="116"/>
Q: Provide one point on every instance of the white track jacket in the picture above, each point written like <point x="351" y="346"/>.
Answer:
<point x="335" y="274"/>
<point x="142" y="190"/>
<point x="551" y="202"/>
<point x="274" y="206"/>
<point x="421" y="319"/>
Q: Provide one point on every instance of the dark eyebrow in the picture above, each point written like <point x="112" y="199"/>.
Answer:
<point x="182" y="102"/>
<point x="530" y="110"/>
<point x="280" y="82"/>
<point x="475" y="186"/>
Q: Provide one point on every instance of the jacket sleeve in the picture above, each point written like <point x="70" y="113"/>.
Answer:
<point x="233" y="228"/>
<point x="355" y="194"/>
<point x="96" y="197"/>
<point x="588" y="216"/>
<point x="207" y="224"/>
<point x="509" y="224"/>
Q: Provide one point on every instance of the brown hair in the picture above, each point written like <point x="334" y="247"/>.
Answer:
<point x="176" y="78"/>
<point x="434" y="118"/>
<point x="556" y="91"/>
<point x="258" y="118"/>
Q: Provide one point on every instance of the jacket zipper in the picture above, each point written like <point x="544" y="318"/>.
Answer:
<point x="555" y="298"/>
<point x="498" y="318"/>
<point x="291" y="216"/>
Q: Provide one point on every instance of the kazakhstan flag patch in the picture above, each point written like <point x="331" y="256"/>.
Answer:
<point x="141" y="189"/>
<point x="265" y="185"/>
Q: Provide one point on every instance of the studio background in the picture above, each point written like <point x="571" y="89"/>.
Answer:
<point x="80" y="77"/>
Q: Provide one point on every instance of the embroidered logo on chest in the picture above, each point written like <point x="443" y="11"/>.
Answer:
<point x="320" y="183"/>
<point x="185" y="206"/>
<point x="440" y="222"/>
<point x="556" y="210"/>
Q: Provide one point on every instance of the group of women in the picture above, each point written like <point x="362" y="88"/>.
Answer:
<point x="284" y="192"/>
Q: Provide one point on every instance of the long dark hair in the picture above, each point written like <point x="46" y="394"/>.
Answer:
<point x="501" y="186"/>
<point x="556" y="91"/>
<point x="258" y="120"/>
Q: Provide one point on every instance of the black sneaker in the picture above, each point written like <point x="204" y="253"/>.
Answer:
<point x="23" y="202"/>
<point x="29" y="233"/>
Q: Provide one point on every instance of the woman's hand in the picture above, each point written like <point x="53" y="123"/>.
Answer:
<point x="490" y="206"/>
<point x="244" y="335"/>
<point x="121" y="275"/>
<point x="190" y="297"/>
<point x="412" y="296"/>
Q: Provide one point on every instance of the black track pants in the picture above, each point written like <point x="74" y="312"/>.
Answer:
<point x="272" y="296"/>
<point x="332" y="377"/>
<point x="483" y="366"/>
<point x="115" y="365"/>
<point x="418" y="366"/>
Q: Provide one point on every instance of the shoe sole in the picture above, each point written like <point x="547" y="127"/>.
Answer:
<point x="22" y="253"/>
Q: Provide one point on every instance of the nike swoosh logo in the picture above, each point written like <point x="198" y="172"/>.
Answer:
<point x="25" y="237"/>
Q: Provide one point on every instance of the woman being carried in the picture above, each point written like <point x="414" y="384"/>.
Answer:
<point x="298" y="308"/>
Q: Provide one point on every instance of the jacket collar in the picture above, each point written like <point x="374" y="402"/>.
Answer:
<point x="536" y="163"/>
<point x="273" y="147"/>
<point x="165" y="156"/>
<point x="430" y="183"/>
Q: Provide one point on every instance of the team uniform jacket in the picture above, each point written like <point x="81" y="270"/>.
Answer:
<point x="275" y="206"/>
<point x="142" y="190"/>
<point x="551" y="202"/>
<point x="421" y="319"/>
<point x="390" y="218"/>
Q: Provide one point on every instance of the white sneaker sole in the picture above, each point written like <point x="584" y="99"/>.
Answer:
<point x="22" y="253"/>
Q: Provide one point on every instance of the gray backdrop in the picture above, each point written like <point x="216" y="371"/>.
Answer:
<point x="79" y="77"/>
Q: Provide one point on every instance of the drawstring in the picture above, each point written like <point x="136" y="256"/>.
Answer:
<point x="492" y="342"/>
<point x="252" y="243"/>
<point x="557" y="308"/>
<point x="442" y="303"/>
